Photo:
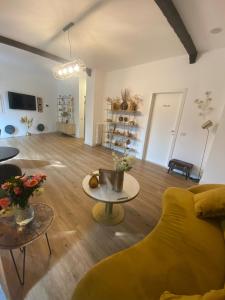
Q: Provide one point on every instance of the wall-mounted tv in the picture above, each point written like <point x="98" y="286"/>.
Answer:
<point x="21" y="101"/>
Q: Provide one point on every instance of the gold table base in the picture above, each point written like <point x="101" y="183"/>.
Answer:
<point x="108" y="214"/>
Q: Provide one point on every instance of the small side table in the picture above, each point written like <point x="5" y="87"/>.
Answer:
<point x="108" y="210"/>
<point x="14" y="237"/>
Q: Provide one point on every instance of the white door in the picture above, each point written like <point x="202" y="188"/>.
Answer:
<point x="163" y="127"/>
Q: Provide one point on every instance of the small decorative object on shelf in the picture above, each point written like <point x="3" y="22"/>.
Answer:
<point x="40" y="104"/>
<point x="28" y="123"/>
<point x="134" y="102"/>
<point x="125" y="94"/>
<point x="16" y="193"/>
<point x="93" y="181"/>
<point x="121" y="164"/>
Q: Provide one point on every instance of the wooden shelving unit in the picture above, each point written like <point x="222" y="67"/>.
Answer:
<point x="65" y="122"/>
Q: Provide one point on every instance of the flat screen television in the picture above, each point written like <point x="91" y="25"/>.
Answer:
<point x="21" y="101"/>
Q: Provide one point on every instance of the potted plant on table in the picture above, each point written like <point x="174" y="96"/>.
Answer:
<point x="121" y="164"/>
<point x="17" y="191"/>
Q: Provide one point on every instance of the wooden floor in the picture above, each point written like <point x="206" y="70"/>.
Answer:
<point x="77" y="241"/>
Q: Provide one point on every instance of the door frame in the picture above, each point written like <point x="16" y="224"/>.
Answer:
<point x="149" y="121"/>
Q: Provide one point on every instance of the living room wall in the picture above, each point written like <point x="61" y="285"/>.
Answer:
<point x="214" y="169"/>
<point x="175" y="74"/>
<point x="25" y="73"/>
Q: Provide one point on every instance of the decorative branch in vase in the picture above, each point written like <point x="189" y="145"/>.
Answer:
<point x="28" y="123"/>
<point x="16" y="193"/>
<point x="121" y="164"/>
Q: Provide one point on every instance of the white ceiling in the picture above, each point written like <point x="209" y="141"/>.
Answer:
<point x="110" y="34"/>
<point x="200" y="16"/>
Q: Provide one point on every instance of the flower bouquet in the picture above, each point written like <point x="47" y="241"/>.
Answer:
<point x="16" y="193"/>
<point x="121" y="164"/>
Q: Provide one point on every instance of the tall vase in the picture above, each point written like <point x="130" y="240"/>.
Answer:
<point x="23" y="216"/>
<point x="118" y="181"/>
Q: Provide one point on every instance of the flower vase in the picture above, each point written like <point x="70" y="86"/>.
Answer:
<point x="118" y="181"/>
<point x="124" y="105"/>
<point x="23" y="216"/>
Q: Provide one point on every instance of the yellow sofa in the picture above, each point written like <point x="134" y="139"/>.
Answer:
<point x="183" y="254"/>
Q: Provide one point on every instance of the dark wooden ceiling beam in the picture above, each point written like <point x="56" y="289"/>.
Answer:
<point x="34" y="50"/>
<point x="16" y="44"/>
<point x="173" y="17"/>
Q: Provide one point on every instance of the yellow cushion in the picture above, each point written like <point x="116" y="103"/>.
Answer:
<point x="212" y="295"/>
<point x="210" y="203"/>
<point x="195" y="189"/>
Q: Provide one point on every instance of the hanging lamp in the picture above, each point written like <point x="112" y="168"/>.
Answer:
<point x="72" y="68"/>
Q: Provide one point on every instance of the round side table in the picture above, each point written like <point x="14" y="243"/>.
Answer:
<point x="108" y="210"/>
<point x="14" y="237"/>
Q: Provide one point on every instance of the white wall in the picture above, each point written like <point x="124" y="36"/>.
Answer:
<point x="94" y="112"/>
<point x="23" y="79"/>
<point x="82" y="100"/>
<point x="176" y="74"/>
<point x="215" y="166"/>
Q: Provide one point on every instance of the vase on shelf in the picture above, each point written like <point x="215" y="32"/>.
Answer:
<point x="24" y="216"/>
<point x="124" y="105"/>
<point x="118" y="181"/>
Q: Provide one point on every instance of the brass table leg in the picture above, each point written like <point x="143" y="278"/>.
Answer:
<point x="108" y="213"/>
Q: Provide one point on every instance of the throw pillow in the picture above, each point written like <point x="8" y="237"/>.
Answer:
<point x="210" y="203"/>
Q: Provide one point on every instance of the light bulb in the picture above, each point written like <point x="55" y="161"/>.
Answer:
<point x="76" y="68"/>
<point x="65" y="71"/>
<point x="60" y="72"/>
<point x="70" y="69"/>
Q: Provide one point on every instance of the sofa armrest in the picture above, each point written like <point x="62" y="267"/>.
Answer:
<point x="204" y="187"/>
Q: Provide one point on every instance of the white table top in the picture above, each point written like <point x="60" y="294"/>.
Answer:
<point x="105" y="193"/>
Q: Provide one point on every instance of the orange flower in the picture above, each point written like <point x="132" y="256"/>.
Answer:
<point x="17" y="191"/>
<point x="30" y="183"/>
<point x="5" y="185"/>
<point x="4" y="202"/>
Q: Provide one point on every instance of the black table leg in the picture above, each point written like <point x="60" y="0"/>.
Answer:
<point x="50" y="251"/>
<point x="21" y="280"/>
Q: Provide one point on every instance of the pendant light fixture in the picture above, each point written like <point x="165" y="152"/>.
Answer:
<point x="74" y="67"/>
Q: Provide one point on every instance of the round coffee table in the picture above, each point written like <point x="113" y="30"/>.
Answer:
<point x="109" y="211"/>
<point x="14" y="237"/>
<point x="8" y="153"/>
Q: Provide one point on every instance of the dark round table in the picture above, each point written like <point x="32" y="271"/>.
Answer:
<point x="8" y="153"/>
<point x="13" y="236"/>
